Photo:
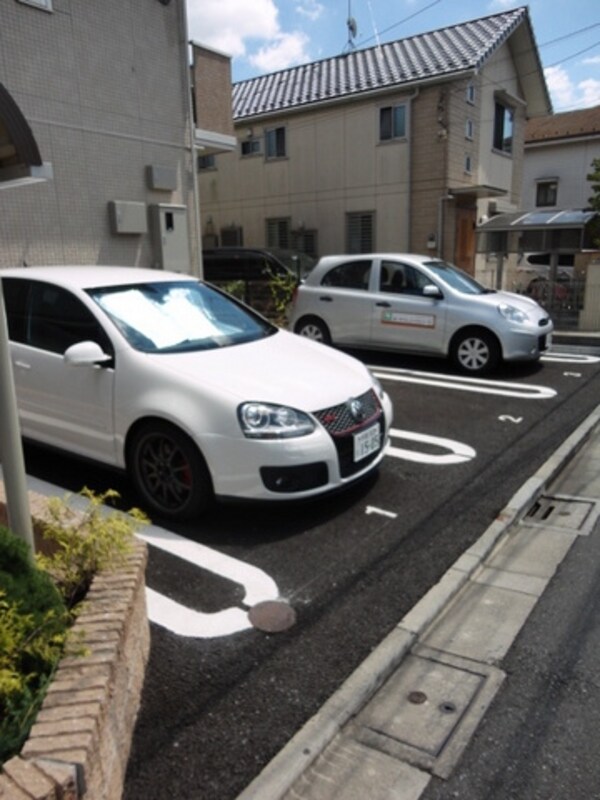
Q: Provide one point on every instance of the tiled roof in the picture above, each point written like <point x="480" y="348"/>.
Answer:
<point x="570" y="124"/>
<point x="437" y="54"/>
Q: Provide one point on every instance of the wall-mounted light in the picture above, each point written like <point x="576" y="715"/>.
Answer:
<point x="431" y="241"/>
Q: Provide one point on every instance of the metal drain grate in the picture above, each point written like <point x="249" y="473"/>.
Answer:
<point x="562" y="512"/>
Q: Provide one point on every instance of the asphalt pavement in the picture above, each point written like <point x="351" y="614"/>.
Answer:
<point x="489" y="687"/>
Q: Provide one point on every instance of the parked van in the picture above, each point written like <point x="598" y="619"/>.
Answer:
<point x="248" y="273"/>
<point x="253" y="264"/>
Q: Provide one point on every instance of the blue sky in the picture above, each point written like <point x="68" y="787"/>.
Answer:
<point x="264" y="36"/>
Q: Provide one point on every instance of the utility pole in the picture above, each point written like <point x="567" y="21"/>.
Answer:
<point x="11" y="448"/>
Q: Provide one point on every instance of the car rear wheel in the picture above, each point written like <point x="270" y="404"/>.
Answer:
<point x="169" y="471"/>
<point x="313" y="328"/>
<point x="475" y="351"/>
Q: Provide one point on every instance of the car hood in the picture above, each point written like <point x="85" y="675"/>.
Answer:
<point x="283" y="368"/>
<point x="522" y="302"/>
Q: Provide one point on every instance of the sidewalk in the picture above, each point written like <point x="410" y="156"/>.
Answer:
<point x="404" y="718"/>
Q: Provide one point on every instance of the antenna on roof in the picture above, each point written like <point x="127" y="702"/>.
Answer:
<point x="352" y="29"/>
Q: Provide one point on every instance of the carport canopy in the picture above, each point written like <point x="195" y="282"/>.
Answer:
<point x="566" y="231"/>
<point x="20" y="159"/>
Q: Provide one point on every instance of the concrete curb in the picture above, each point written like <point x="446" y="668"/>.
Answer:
<point x="288" y="765"/>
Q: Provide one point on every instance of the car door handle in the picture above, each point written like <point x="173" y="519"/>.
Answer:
<point x="326" y="299"/>
<point x="384" y="304"/>
<point x="22" y="365"/>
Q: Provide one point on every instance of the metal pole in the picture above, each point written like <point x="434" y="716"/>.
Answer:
<point x="11" y="448"/>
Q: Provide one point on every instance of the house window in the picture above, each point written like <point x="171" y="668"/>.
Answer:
<point x="278" y="232"/>
<point x="392" y="123"/>
<point x="468" y="163"/>
<point x="469" y="129"/>
<point x="46" y="4"/>
<point x="546" y="193"/>
<point x="250" y="147"/>
<point x="207" y="162"/>
<point x="470" y="94"/>
<point x="275" y="143"/>
<point x="360" y="232"/>
<point x="503" y="128"/>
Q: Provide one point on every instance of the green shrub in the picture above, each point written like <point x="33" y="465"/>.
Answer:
<point x="86" y="542"/>
<point x="33" y="629"/>
<point x="22" y="583"/>
<point x="38" y="601"/>
<point x="282" y="289"/>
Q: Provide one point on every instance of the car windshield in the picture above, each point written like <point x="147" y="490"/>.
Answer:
<point x="178" y="316"/>
<point x="456" y="278"/>
<point x="299" y="263"/>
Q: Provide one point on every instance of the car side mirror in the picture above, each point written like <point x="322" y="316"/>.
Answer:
<point x="86" y="354"/>
<point x="431" y="290"/>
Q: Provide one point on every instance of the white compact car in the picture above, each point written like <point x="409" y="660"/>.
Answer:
<point x="191" y="392"/>
<point x="417" y="304"/>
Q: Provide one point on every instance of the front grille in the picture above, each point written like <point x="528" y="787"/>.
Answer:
<point x="341" y="424"/>
<point x="542" y="343"/>
<point x="339" y="421"/>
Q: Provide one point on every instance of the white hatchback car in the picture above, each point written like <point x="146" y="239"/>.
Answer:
<point x="191" y="392"/>
<point x="417" y="304"/>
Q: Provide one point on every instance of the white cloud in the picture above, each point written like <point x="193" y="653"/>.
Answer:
<point x="311" y="9"/>
<point x="251" y="31"/>
<point x="226" y="25"/>
<point x="592" y="60"/>
<point x="286" y="50"/>
<point x="567" y="95"/>
<point x="590" y="92"/>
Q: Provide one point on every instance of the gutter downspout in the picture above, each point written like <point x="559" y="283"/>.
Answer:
<point x="411" y="97"/>
<point x="197" y="267"/>
<point x="440" y="233"/>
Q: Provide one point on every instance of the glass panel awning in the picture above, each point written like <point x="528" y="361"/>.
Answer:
<point x="519" y="221"/>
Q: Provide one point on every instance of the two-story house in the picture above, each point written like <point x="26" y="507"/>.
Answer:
<point x="398" y="147"/>
<point x="99" y="136"/>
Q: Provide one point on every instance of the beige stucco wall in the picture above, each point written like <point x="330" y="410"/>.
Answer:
<point x="102" y="87"/>
<point x="334" y="165"/>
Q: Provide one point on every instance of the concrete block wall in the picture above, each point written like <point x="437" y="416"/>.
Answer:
<point x="79" y="745"/>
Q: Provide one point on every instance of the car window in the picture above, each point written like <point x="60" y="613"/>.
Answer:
<point x="15" y="299"/>
<point x="175" y="316"/>
<point x="49" y="317"/>
<point x="402" y="278"/>
<point x="353" y="275"/>
<point x="456" y="278"/>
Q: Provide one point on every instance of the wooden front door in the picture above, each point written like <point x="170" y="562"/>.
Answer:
<point x="464" y="252"/>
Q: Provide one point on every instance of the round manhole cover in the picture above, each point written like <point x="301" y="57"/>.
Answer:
<point x="272" y="616"/>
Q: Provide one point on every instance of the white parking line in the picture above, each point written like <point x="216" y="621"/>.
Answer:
<point x="465" y="384"/>
<point x="186" y="621"/>
<point x="570" y="358"/>
<point x="458" y="452"/>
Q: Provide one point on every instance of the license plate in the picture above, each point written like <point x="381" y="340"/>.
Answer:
<point x="366" y="442"/>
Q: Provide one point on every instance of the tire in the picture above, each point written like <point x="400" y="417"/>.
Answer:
<point x="475" y="351"/>
<point x="313" y="328"/>
<point x="169" y="472"/>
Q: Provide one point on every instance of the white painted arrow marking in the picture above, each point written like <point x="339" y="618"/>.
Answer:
<point x="381" y="511"/>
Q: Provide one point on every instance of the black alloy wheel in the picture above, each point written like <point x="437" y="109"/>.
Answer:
<point x="169" y="472"/>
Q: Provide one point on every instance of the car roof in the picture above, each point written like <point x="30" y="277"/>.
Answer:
<point x="86" y="276"/>
<point x="418" y="257"/>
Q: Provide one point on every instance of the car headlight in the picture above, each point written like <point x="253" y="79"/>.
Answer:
<point x="377" y="386"/>
<point x="511" y="313"/>
<point x="269" y="421"/>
